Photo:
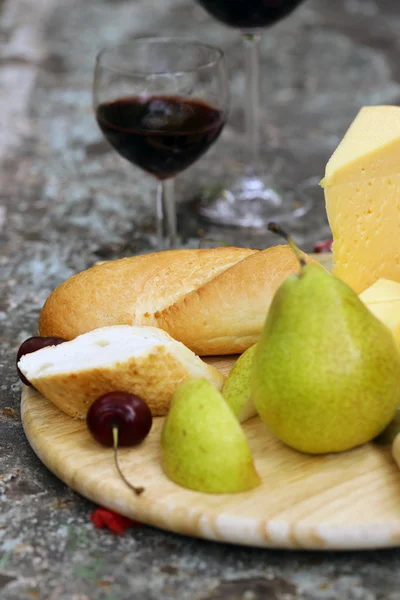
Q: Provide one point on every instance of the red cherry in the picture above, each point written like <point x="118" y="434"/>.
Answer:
<point x="125" y="412"/>
<point x="119" y="419"/>
<point x="31" y="345"/>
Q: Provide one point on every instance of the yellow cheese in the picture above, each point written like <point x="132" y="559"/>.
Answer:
<point x="382" y="291"/>
<point x="383" y="300"/>
<point x="362" y="193"/>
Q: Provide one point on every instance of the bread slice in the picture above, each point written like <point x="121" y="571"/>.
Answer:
<point x="226" y="316"/>
<point x="145" y="361"/>
<point x="129" y="291"/>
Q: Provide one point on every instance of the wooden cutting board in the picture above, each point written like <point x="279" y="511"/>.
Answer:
<point x="345" y="501"/>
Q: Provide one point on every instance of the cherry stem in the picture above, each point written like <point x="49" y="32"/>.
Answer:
<point x="275" y="228"/>
<point x="137" y="490"/>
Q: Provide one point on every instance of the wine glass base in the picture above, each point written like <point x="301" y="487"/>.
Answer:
<point x="253" y="202"/>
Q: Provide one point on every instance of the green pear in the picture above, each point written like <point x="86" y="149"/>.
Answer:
<point x="326" y="371"/>
<point x="203" y="447"/>
<point x="237" y="390"/>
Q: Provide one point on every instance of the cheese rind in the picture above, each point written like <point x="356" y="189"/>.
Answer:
<point x="362" y="193"/>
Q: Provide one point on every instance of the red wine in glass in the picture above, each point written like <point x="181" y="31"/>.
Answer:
<point x="249" y="14"/>
<point x="161" y="134"/>
<point x="161" y="103"/>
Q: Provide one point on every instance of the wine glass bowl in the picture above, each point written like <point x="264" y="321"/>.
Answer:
<point x="161" y="103"/>
<point x="251" y="202"/>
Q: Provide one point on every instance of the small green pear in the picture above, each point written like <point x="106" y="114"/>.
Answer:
<point x="237" y="390"/>
<point x="203" y="447"/>
<point x="326" y="372"/>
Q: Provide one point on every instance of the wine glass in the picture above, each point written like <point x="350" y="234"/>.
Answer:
<point x="161" y="103"/>
<point x="254" y="198"/>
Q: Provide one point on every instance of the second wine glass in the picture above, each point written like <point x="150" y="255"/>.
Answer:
<point x="255" y="198"/>
<point x="161" y="103"/>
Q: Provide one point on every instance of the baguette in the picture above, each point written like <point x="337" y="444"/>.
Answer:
<point x="144" y="361"/>
<point x="213" y="300"/>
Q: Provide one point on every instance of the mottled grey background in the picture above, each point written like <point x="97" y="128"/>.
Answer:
<point x="67" y="200"/>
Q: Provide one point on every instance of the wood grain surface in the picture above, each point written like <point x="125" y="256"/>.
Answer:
<point x="344" y="501"/>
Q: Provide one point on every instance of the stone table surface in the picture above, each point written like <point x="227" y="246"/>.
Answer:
<point x="67" y="200"/>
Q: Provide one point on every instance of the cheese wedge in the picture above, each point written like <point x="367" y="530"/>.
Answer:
<point x="382" y="291"/>
<point x="362" y="193"/>
<point x="383" y="300"/>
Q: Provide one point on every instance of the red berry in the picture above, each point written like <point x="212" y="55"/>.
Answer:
<point x="31" y="345"/>
<point x="324" y="246"/>
<point x="126" y="412"/>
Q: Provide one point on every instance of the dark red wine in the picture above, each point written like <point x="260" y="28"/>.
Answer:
<point x="249" y="14"/>
<point x="161" y="134"/>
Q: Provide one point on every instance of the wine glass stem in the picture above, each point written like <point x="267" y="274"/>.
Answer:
<point x="166" y="214"/>
<point x="252" y="96"/>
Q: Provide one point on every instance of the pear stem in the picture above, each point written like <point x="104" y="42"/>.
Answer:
<point x="275" y="228"/>
<point x="137" y="490"/>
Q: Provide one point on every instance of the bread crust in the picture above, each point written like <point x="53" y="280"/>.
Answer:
<point x="226" y="316"/>
<point x="213" y="300"/>
<point x="101" y="361"/>
<point x="154" y="378"/>
<point x="130" y="290"/>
